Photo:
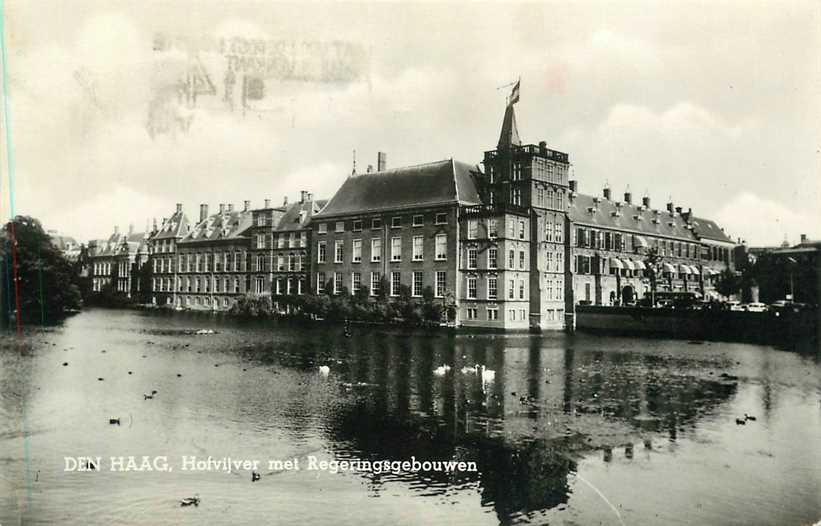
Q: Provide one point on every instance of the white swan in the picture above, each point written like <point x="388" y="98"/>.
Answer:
<point x="441" y="370"/>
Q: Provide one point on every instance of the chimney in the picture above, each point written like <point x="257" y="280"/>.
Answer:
<point x="645" y="201"/>
<point x="116" y="230"/>
<point x="670" y="207"/>
<point x="687" y="215"/>
<point x="130" y="229"/>
<point x="310" y="196"/>
<point x="267" y="203"/>
<point x="222" y="208"/>
<point x="381" y="161"/>
<point x="230" y="207"/>
<point x="203" y="211"/>
<point x="154" y="225"/>
<point x="803" y="238"/>
<point x="606" y="192"/>
<point x="370" y="168"/>
<point x="246" y="205"/>
<point x="303" y="196"/>
<point x="678" y="210"/>
<point x="628" y="197"/>
<point x="543" y="148"/>
<point x="179" y="207"/>
<point x="574" y="185"/>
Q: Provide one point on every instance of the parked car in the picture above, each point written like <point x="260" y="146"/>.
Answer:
<point x="755" y="307"/>
<point x="733" y="305"/>
<point x="780" y="304"/>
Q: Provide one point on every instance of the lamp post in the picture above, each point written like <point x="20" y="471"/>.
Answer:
<point x="792" y="263"/>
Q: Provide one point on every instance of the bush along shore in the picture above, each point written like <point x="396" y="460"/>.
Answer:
<point x="360" y="306"/>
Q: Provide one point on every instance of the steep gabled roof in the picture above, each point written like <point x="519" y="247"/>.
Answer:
<point x="298" y="215"/>
<point x="226" y="225"/>
<point x="436" y="183"/>
<point x="175" y="227"/>
<point x="604" y="213"/>
<point x="709" y="229"/>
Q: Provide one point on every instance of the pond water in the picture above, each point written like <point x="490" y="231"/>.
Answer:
<point x="562" y="429"/>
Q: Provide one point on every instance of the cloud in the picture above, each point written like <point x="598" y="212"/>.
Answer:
<point x="764" y="222"/>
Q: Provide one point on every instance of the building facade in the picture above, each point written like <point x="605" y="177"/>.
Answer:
<point x="280" y="247"/>
<point x="162" y="248"/>
<point x="609" y="244"/>
<point x="211" y="270"/>
<point x="394" y="228"/>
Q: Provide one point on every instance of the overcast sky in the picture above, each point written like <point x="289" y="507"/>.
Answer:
<point x="715" y="104"/>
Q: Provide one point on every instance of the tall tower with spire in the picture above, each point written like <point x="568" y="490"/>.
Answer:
<point x="533" y="180"/>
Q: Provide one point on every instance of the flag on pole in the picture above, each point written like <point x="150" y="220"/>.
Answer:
<point x="514" y="95"/>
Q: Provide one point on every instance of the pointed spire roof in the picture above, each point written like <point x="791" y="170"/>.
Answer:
<point x="510" y="133"/>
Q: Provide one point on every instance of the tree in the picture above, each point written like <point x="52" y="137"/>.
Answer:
<point x="48" y="285"/>
<point x="728" y="283"/>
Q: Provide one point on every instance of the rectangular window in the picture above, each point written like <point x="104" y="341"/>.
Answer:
<point x="418" y="220"/>
<point x="376" y="223"/>
<point x="356" y="282"/>
<point x="291" y="262"/>
<point x="473" y="228"/>
<point x="376" y="278"/>
<point x="280" y="263"/>
<point x="418" y="250"/>
<point x="492" y="314"/>
<point x="356" y="256"/>
<point x="417" y="283"/>
<point x="522" y="259"/>
<point x="521" y="229"/>
<point x="320" y="252"/>
<point x="396" y="222"/>
<point x="492" y="257"/>
<point x="376" y="250"/>
<point x="278" y="286"/>
<point x="441" y="247"/>
<point x="260" y="240"/>
<point x="340" y="226"/>
<point x="339" y="251"/>
<point x="511" y="290"/>
<point x="396" y="282"/>
<point x="473" y="313"/>
<point x="441" y="280"/>
<point x="337" y="282"/>
<point x="472" y="257"/>
<point x="471" y="288"/>
<point x="511" y="314"/>
<point x="511" y="259"/>
<point x="441" y="218"/>
<point x="521" y="289"/>
<point x="322" y="228"/>
<point x="491" y="228"/>
<point x="357" y="226"/>
<point x="492" y="288"/>
<point x="396" y="249"/>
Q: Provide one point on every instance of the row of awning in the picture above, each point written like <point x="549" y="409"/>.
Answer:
<point x="667" y="267"/>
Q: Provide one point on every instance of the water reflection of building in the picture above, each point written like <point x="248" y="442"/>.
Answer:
<point x="543" y="409"/>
